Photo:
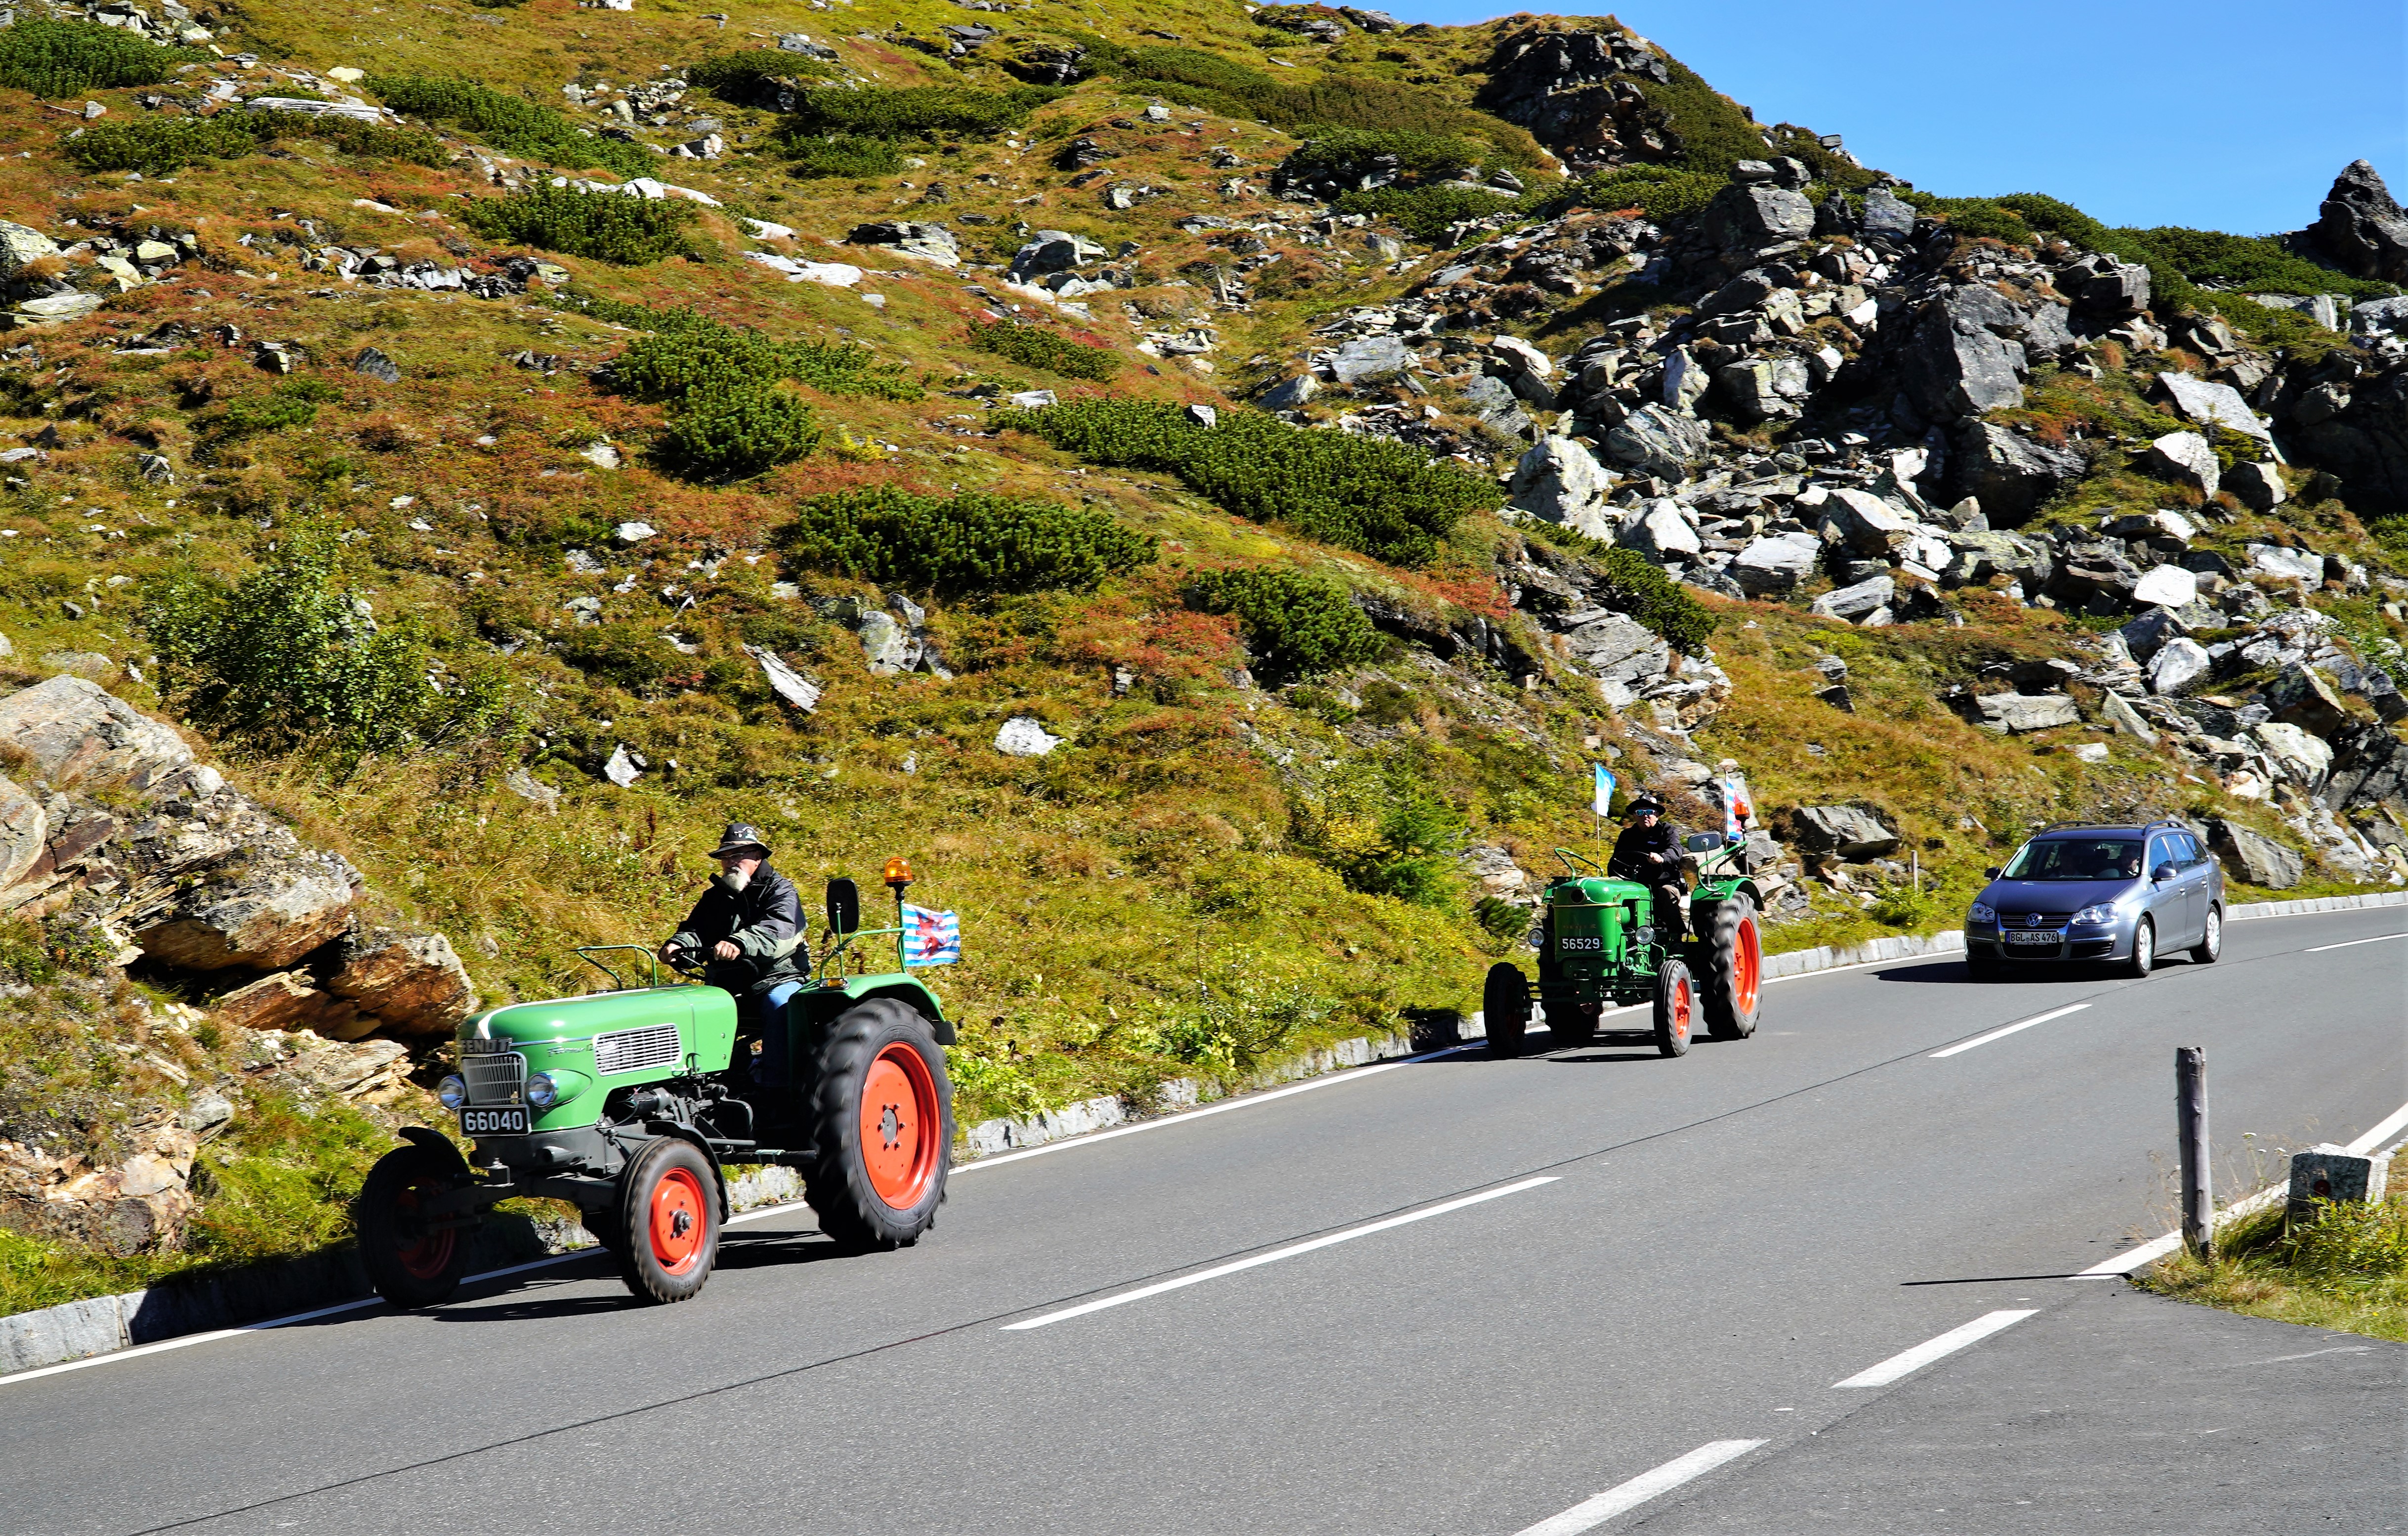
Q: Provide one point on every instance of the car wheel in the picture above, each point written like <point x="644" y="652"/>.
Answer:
<point x="2144" y="950"/>
<point x="2211" y="944"/>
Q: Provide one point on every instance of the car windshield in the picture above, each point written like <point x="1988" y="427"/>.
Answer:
<point x="2077" y="858"/>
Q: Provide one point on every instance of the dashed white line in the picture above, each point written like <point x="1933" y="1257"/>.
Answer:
<point x="1291" y="1251"/>
<point x="1907" y="1362"/>
<point x="1591" y="1512"/>
<point x="2353" y="944"/>
<point x="2001" y="1034"/>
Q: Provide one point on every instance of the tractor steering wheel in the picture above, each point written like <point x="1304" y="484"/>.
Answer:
<point x="684" y="962"/>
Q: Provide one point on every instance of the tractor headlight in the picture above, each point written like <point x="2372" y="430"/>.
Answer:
<point x="1982" y="913"/>
<point x="541" y="1091"/>
<point x="2095" y="917"/>
<point x="453" y="1091"/>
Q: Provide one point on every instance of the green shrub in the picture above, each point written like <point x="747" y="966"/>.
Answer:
<point x="1296" y="624"/>
<point x="749" y="77"/>
<point x="849" y="156"/>
<point x="1380" y="497"/>
<point x="1383" y="828"/>
<point x="1660" y="191"/>
<point x="157" y="146"/>
<point x="69" y="57"/>
<point x="918" y="111"/>
<point x="972" y="543"/>
<point x="509" y="123"/>
<point x="614" y="227"/>
<point x="688" y="350"/>
<point x="2255" y="264"/>
<point x="630" y="656"/>
<point x="1349" y="154"/>
<point x="1973" y="218"/>
<point x="1428" y="213"/>
<point x="293" y="403"/>
<point x="289" y="660"/>
<point x="729" y="428"/>
<point x="1034" y="347"/>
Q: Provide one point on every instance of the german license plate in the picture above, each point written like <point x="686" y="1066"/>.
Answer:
<point x="2025" y="936"/>
<point x="1571" y="944"/>
<point x="495" y="1122"/>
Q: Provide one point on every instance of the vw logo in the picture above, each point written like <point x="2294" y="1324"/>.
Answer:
<point x="2031" y="919"/>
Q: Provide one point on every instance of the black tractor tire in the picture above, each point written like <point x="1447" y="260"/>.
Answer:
<point x="881" y="1121"/>
<point x="2211" y="942"/>
<point x="1505" y="1007"/>
<point x="666" y="1230"/>
<point x="1734" y="980"/>
<point x="408" y="1265"/>
<point x="1676" y="1008"/>
<point x="2143" y="958"/>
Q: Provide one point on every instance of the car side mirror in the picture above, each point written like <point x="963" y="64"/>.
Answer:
<point x="1990" y="874"/>
<point x="843" y="906"/>
<point x="2163" y="873"/>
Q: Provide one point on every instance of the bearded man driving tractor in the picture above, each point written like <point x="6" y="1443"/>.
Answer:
<point x="1649" y="851"/>
<point x="747" y="931"/>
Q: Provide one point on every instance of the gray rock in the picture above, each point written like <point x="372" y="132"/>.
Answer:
<point x="21" y="244"/>
<point x="1774" y="565"/>
<point x="886" y="646"/>
<point x="1750" y="217"/>
<point x="2117" y="711"/>
<point x="266" y="911"/>
<point x="601" y="455"/>
<point x="1858" y="603"/>
<point x="2144" y="636"/>
<point x="2019" y="713"/>
<point x="531" y="789"/>
<point x="785" y="681"/>
<point x="1753" y="389"/>
<point x="2178" y="663"/>
<point x="1952" y="367"/>
<point x="1024" y="736"/>
<point x="2167" y="586"/>
<point x="1686" y="380"/>
<point x="1612" y="648"/>
<point x="1659" y="441"/>
<point x="624" y="768"/>
<point x="931" y="243"/>
<point x="2282" y="564"/>
<point x="634" y="532"/>
<point x="414" y="982"/>
<point x="2184" y="458"/>
<point x="1885" y="214"/>
<point x="1053" y="251"/>
<point x="373" y="363"/>
<point x="1660" y="533"/>
<point x="1843" y="831"/>
<point x="2360" y="228"/>
<point x="155" y="468"/>
<point x="74" y="734"/>
<point x="2258" y="485"/>
<point x="2370" y="318"/>
<point x="2114" y="291"/>
<point x="1367" y="358"/>
<point x="24" y="833"/>
<point x="1867" y="524"/>
<point x="2211" y="404"/>
<point x="1291" y="393"/>
<point x="1559" y="481"/>
<point x="53" y="309"/>
<point x="2257" y="859"/>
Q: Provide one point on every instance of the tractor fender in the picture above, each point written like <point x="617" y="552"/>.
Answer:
<point x="440" y="1145"/>
<point x="685" y="1133"/>
<point x="1706" y="897"/>
<point x="908" y="990"/>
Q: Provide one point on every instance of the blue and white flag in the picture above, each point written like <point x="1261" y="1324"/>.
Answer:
<point x="931" y="938"/>
<point x="1604" y="791"/>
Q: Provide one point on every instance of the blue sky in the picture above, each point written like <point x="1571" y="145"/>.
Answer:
<point x="2207" y="113"/>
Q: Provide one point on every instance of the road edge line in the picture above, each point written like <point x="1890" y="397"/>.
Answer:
<point x="1624" y="1497"/>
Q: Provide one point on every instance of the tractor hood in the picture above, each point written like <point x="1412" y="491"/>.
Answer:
<point x="651" y="1032"/>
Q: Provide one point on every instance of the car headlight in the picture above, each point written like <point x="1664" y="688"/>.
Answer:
<point x="2095" y="917"/>
<point x="453" y="1091"/>
<point x="1982" y="914"/>
<point x="542" y="1091"/>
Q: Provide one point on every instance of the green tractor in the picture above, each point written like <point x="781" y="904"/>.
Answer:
<point x="629" y="1102"/>
<point x="1603" y="942"/>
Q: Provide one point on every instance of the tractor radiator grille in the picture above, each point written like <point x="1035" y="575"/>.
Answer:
<point x="637" y="1050"/>
<point x="495" y="1078"/>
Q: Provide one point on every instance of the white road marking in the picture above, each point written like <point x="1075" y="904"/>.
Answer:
<point x="2342" y="1349"/>
<point x="1184" y="1117"/>
<point x="1291" y="1251"/>
<point x="2001" y="1034"/>
<point x="1591" y="1512"/>
<point x="2150" y="1252"/>
<point x="2353" y="944"/>
<point x="1909" y="1361"/>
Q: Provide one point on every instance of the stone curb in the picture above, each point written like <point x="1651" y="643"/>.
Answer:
<point x="2318" y="903"/>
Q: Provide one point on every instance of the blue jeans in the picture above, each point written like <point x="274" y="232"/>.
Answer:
<point x="777" y="1068"/>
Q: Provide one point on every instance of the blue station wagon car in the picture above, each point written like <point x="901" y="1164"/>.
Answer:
<point x="2119" y="895"/>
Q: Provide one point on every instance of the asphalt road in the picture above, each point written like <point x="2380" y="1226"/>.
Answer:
<point x="1718" y="1241"/>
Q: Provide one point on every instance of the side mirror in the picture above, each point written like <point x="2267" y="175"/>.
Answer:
<point x="843" y="906"/>
<point x="1702" y="842"/>
<point x="2163" y="873"/>
<point x="1990" y="874"/>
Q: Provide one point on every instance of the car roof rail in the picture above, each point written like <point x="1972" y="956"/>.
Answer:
<point x="2143" y="827"/>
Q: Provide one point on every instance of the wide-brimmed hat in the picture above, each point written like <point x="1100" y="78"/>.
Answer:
<point x="738" y="836"/>
<point x="1644" y="805"/>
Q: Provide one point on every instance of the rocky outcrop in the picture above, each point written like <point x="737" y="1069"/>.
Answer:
<point x="2254" y="857"/>
<point x="1577" y="92"/>
<point x="1848" y="832"/>
<point x="2360" y="229"/>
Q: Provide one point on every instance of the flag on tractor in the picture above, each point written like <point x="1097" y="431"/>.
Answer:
<point x="931" y="938"/>
<point x="1604" y="791"/>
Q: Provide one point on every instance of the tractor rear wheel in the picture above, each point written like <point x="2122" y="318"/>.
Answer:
<point x="882" y="1119"/>
<point x="1676" y="1008"/>
<point x="410" y="1262"/>
<point x="666" y="1236"/>
<point x="1734" y="970"/>
<point x="1505" y="1006"/>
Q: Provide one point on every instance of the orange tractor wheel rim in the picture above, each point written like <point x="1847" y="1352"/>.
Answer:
<point x="1749" y="964"/>
<point x="679" y="1222"/>
<point x="1681" y="1010"/>
<point x="428" y="1254"/>
<point x="901" y="1126"/>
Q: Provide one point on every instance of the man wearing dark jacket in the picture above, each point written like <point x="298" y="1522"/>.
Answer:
<point x="747" y="930"/>
<point x="1649" y="850"/>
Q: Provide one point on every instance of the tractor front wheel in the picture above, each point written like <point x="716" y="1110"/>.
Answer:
<point x="411" y="1261"/>
<point x="1505" y="1006"/>
<point x="667" y="1226"/>
<point x="882" y="1123"/>
<point x="1676" y="1008"/>
<point x="1734" y="970"/>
